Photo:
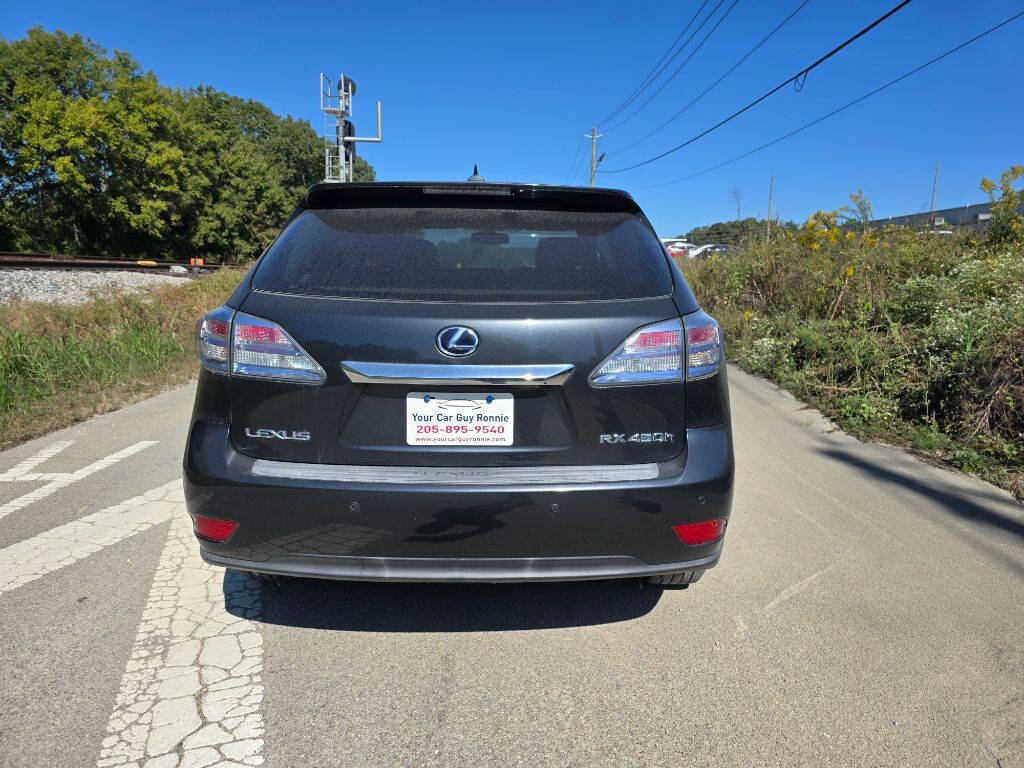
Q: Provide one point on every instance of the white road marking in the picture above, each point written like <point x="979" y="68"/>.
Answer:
<point x="64" y="480"/>
<point x="66" y="544"/>
<point x="191" y="693"/>
<point x="18" y="471"/>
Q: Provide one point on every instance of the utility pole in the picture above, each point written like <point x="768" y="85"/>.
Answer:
<point x="594" y="159"/>
<point x="935" y="188"/>
<point x="771" y="191"/>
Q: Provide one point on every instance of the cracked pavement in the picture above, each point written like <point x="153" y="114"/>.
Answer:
<point x="868" y="610"/>
<point x="191" y="690"/>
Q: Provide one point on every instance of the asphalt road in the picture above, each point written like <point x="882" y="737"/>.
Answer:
<point x="867" y="611"/>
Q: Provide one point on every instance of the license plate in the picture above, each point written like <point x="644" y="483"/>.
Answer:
<point x="474" y="418"/>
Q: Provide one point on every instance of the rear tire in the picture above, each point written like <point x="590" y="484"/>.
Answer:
<point x="680" y="580"/>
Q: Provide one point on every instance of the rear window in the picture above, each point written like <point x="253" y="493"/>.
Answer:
<point x="464" y="254"/>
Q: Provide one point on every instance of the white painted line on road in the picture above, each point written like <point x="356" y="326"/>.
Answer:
<point x="33" y="558"/>
<point x="67" y="479"/>
<point x="18" y="471"/>
<point x="191" y="693"/>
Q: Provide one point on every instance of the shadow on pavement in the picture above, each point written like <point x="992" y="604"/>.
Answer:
<point x="378" y="607"/>
<point x="958" y="503"/>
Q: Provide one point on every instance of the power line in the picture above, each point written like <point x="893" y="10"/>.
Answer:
<point x="707" y="90"/>
<point x="798" y="77"/>
<point x="678" y="51"/>
<point x="679" y="69"/>
<point x="579" y="146"/>
<point x="580" y="164"/>
<point x="656" y="72"/>
<point x="843" y="108"/>
<point x="653" y="75"/>
<point x="580" y="176"/>
<point x="580" y="170"/>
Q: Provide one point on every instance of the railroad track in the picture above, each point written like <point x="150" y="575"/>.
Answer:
<point x="55" y="261"/>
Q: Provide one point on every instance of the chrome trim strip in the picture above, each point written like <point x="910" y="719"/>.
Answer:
<point x="441" y="374"/>
<point x="546" y="475"/>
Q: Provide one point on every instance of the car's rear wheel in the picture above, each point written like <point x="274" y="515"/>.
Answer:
<point x="680" y="580"/>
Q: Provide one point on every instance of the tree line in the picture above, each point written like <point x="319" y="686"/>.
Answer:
<point x="98" y="158"/>
<point x="735" y="232"/>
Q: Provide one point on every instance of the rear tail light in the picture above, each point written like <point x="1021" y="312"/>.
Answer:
<point x="212" y="332"/>
<point x="213" y="528"/>
<point x="703" y="345"/>
<point x="264" y="350"/>
<point x="651" y="355"/>
<point x="704" y="532"/>
<point x="251" y="346"/>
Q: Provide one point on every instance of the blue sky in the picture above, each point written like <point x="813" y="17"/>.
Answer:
<point x="512" y="86"/>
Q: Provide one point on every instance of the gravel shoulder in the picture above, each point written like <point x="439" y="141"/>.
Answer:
<point x="66" y="286"/>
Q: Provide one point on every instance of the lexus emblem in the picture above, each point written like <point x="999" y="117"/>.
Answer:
<point x="457" y="341"/>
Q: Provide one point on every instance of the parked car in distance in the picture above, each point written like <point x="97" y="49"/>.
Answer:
<point x="462" y="382"/>
<point x="677" y="248"/>
<point x="711" y="249"/>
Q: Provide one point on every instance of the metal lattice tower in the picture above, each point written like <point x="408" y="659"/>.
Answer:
<point x="339" y="133"/>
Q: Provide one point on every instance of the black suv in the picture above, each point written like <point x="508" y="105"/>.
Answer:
<point x="462" y="382"/>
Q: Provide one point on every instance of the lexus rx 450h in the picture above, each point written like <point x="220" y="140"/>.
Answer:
<point x="462" y="382"/>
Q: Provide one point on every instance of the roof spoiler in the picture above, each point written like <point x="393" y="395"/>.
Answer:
<point x="440" y="193"/>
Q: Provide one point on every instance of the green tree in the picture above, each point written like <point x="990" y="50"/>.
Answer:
<point x="734" y="232"/>
<point x="249" y="169"/>
<point x="90" y="149"/>
<point x="363" y="171"/>
<point x="96" y="157"/>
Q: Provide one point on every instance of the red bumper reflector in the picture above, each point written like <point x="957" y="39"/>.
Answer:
<point x="213" y="528"/>
<point x="704" y="532"/>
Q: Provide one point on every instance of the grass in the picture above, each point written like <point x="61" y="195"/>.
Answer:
<point x="62" y="364"/>
<point x="906" y="338"/>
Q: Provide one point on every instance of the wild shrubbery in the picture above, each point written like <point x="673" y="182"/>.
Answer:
<point x="60" y="364"/>
<point x="914" y="338"/>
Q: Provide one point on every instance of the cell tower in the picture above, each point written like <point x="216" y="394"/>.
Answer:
<point x="339" y="133"/>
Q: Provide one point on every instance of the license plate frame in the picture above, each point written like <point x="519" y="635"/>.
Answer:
<point x="460" y="419"/>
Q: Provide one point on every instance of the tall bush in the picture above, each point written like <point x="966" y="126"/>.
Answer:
<point x="898" y="335"/>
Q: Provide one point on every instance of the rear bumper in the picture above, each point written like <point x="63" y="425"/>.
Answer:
<point x="488" y="569"/>
<point x="384" y="530"/>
